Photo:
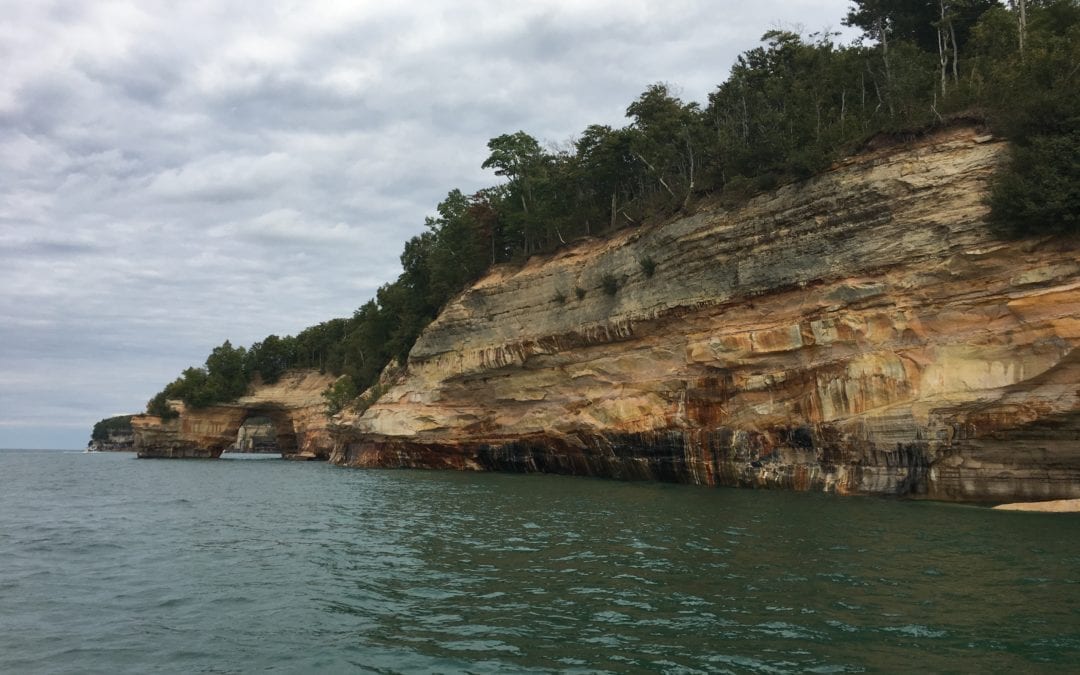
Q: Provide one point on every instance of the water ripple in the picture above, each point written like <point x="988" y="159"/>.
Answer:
<point x="123" y="567"/>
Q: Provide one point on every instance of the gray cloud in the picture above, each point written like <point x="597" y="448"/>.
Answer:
<point x="175" y="174"/>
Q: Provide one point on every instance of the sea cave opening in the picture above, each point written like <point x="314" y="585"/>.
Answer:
<point x="263" y="434"/>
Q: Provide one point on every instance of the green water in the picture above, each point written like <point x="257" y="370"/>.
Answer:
<point x="110" y="564"/>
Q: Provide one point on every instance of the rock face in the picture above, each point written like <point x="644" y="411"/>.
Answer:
<point x="861" y="332"/>
<point x="294" y="406"/>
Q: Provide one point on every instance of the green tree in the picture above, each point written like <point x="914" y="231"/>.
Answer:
<point x="1039" y="192"/>
<point x="158" y="405"/>
<point x="340" y="394"/>
<point x="605" y="175"/>
<point x="1034" y="93"/>
<point x="226" y="377"/>
<point x="269" y="358"/>
<point x="459" y="251"/>
<point x="667" y="140"/>
<point x="519" y="158"/>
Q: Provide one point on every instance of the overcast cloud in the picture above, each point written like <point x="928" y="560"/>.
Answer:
<point x="176" y="174"/>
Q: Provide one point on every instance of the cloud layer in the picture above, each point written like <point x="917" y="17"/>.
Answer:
<point x="175" y="174"/>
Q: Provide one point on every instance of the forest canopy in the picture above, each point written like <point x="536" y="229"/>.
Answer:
<point x="788" y="108"/>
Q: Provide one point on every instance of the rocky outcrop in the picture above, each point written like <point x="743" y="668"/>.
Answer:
<point x="112" y="434"/>
<point x="861" y="332"/>
<point x="294" y="406"/>
<point x="115" y="441"/>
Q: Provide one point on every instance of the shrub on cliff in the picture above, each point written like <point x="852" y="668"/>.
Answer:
<point x="648" y="266"/>
<point x="158" y="405"/>
<point x="1038" y="192"/>
<point x="1037" y="106"/>
<point x="610" y="284"/>
<point x="340" y="394"/>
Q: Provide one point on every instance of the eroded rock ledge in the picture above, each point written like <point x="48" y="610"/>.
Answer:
<point x="861" y="332"/>
<point x="293" y="404"/>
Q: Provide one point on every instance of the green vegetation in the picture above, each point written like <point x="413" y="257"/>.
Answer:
<point x="609" y="283"/>
<point x="340" y="395"/>
<point x="1035" y="92"/>
<point x="110" y="425"/>
<point x="788" y="109"/>
<point x="648" y="266"/>
<point x="225" y="377"/>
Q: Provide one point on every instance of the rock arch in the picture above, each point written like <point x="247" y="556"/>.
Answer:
<point x="294" y="405"/>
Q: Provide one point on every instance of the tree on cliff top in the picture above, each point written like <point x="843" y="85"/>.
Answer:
<point x="269" y="358"/>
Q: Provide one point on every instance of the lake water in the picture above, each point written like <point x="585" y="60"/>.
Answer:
<point x="110" y="564"/>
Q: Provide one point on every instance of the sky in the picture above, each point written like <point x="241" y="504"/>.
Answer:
<point x="173" y="175"/>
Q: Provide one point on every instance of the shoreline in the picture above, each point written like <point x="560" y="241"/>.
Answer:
<point x="1052" y="506"/>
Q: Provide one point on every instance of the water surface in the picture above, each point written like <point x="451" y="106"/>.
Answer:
<point x="111" y="564"/>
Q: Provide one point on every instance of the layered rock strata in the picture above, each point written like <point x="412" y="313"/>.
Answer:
<point x="294" y="406"/>
<point x="860" y="332"/>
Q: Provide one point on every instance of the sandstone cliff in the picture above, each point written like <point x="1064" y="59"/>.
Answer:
<point x="294" y="406"/>
<point x="862" y="332"/>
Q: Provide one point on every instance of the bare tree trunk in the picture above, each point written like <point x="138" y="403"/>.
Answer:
<point x="955" y="53"/>
<point x="943" y="47"/>
<point x="888" y="70"/>
<point x="659" y="177"/>
<point x="877" y="91"/>
<point x="614" y="209"/>
<point x="745" y="122"/>
<point x="1022" y="5"/>
<point x="862" y="86"/>
<point x="690" y="153"/>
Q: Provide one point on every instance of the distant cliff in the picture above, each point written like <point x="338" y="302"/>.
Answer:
<point x="862" y="332"/>
<point x="112" y="434"/>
